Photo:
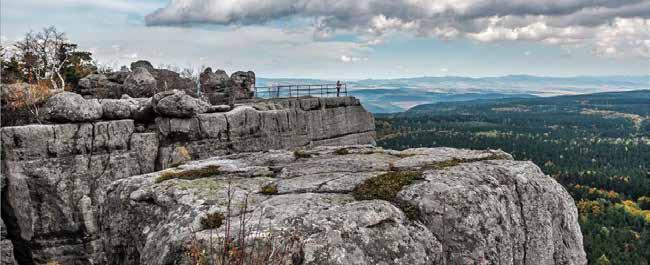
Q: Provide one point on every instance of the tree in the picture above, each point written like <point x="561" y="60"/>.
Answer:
<point x="603" y="260"/>
<point x="49" y="55"/>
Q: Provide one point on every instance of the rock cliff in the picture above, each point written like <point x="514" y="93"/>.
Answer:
<point x="450" y="207"/>
<point x="56" y="174"/>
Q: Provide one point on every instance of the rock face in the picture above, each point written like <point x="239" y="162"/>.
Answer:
<point x="465" y="207"/>
<point x="147" y="81"/>
<point x="57" y="174"/>
<point x="140" y="83"/>
<point x="71" y="107"/>
<point x="175" y="103"/>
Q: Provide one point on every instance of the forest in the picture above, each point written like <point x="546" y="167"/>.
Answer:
<point x="597" y="146"/>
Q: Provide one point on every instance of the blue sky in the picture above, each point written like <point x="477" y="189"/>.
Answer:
<point x="354" y="39"/>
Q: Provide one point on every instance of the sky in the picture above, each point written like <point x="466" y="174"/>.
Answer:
<point x="353" y="39"/>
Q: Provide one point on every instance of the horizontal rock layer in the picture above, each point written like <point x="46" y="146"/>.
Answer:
<point x="467" y="207"/>
<point x="57" y="174"/>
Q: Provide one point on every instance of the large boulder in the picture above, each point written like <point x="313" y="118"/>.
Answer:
<point x="102" y="85"/>
<point x="139" y="109"/>
<point x="175" y="103"/>
<point x="213" y="82"/>
<point x="140" y="83"/>
<point x="71" y="107"/>
<point x="242" y="84"/>
<point x="142" y="63"/>
<point x="348" y="205"/>
<point x="167" y="80"/>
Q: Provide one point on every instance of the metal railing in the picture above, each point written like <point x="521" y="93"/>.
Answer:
<point x="293" y="91"/>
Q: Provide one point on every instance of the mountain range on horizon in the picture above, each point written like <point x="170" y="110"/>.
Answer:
<point x="400" y="94"/>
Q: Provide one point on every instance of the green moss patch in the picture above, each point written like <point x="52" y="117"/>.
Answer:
<point x="212" y="221"/>
<point x="385" y="186"/>
<point x="190" y="174"/>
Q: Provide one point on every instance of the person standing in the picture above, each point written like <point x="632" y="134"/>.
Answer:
<point x="338" y="88"/>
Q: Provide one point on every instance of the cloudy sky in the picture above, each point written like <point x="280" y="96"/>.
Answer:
<point x="353" y="39"/>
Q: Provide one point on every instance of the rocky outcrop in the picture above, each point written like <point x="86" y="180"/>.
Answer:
<point x="144" y="80"/>
<point x="140" y="83"/>
<point x="459" y="207"/>
<point x="57" y="174"/>
<point x="175" y="103"/>
<point x="71" y="107"/>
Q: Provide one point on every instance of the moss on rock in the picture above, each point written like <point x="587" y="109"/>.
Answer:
<point x="190" y="174"/>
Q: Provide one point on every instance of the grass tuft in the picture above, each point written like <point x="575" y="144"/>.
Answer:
<point x="301" y="154"/>
<point x="269" y="189"/>
<point x="212" y="221"/>
<point x="189" y="174"/>
<point x="458" y="161"/>
<point x="342" y="151"/>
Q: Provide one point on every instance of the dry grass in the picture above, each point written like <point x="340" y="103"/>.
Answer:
<point x="342" y="151"/>
<point x="269" y="189"/>
<point x="301" y="154"/>
<point x="190" y="174"/>
<point x="246" y="245"/>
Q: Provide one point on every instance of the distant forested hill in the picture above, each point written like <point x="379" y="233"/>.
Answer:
<point x="597" y="146"/>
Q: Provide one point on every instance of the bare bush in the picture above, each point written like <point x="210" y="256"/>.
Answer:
<point x="244" y="244"/>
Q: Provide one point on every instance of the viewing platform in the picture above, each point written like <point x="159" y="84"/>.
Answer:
<point x="294" y="91"/>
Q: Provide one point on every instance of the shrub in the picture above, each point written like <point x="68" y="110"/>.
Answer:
<point x="245" y="247"/>
<point x="644" y="203"/>
<point x="212" y="221"/>
<point x="191" y="174"/>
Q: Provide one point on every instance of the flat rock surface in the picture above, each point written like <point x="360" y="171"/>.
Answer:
<point x="467" y="207"/>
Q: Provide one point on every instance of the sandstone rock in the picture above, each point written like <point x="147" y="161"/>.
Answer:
<point x="58" y="173"/>
<point x="71" y="107"/>
<point x="140" y="83"/>
<point x="168" y="80"/>
<point x="218" y="108"/>
<point x="129" y="108"/>
<point x="489" y="209"/>
<point x="6" y="246"/>
<point x="142" y="63"/>
<point x="212" y="82"/>
<point x="176" y="103"/>
<point x="101" y="86"/>
<point x="242" y="84"/>
<point x="56" y="177"/>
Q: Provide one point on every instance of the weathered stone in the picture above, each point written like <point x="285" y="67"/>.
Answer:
<point x="71" y="107"/>
<point x="140" y="83"/>
<point x="218" y="108"/>
<point x="488" y="209"/>
<point x="142" y="63"/>
<point x="241" y="84"/>
<point x="128" y="108"/>
<point x="214" y="82"/>
<point x="168" y="80"/>
<point x="176" y="103"/>
<point x="101" y="86"/>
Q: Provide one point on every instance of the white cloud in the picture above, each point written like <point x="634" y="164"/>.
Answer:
<point x="553" y="22"/>
<point x="351" y="59"/>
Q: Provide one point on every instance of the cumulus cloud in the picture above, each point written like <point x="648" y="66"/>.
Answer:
<point x="609" y="26"/>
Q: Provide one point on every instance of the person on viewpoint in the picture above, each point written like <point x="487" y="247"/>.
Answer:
<point x="338" y="88"/>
